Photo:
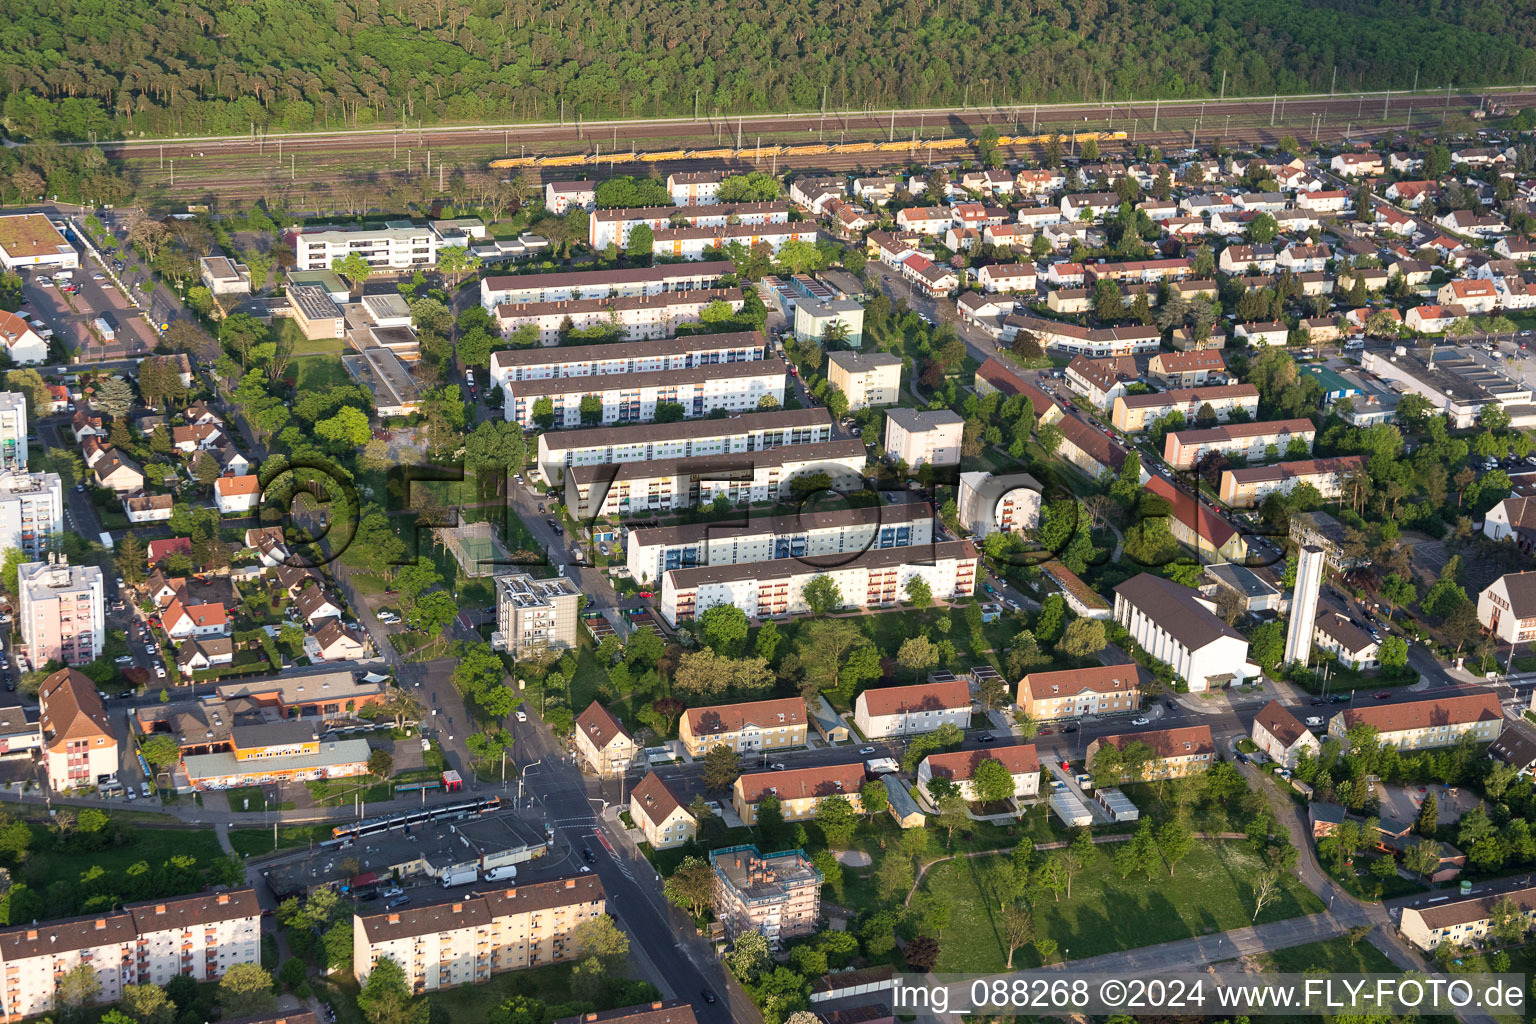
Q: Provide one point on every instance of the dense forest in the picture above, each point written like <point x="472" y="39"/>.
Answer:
<point x="69" y="68"/>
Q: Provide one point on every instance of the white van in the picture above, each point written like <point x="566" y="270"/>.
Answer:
<point x="497" y="874"/>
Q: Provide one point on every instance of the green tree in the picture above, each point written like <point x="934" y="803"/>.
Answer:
<point x="385" y="997"/>
<point x="722" y="766"/>
<point x="246" y="990"/>
<point x="837" y="820"/>
<point x="1083" y="638"/>
<point x="1174" y="842"/>
<point x="691" y="885"/>
<point x="160" y="750"/>
<point x="147" y="1004"/>
<point x="354" y="267"/>
<point x="76" y="989"/>
<point x="918" y="654"/>
<point x="919" y="594"/>
<point x="821" y="594"/>
<point x="724" y="628"/>
<point x="873" y="797"/>
<point x="991" y="781"/>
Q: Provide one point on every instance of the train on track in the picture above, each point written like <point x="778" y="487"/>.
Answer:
<point x="910" y="146"/>
<point x="407" y="819"/>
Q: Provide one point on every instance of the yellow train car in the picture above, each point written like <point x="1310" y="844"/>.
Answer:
<point x="664" y="154"/>
<point x="854" y="147"/>
<point x="714" y="154"/>
<point x="813" y="149"/>
<point x="516" y="161"/>
<point x="565" y="160"/>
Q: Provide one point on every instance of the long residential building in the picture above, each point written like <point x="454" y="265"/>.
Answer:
<point x="1245" y="488"/>
<point x="683" y="353"/>
<point x="697" y="243"/>
<point x="738" y="435"/>
<point x="635" y="318"/>
<point x="799" y="791"/>
<point x="821" y="535"/>
<point x="873" y="579"/>
<point x="1426" y="722"/>
<point x="614" y="226"/>
<point x="1075" y="692"/>
<point x="31" y="510"/>
<point x="1177" y="752"/>
<point x="399" y="244"/>
<point x="661" y="485"/>
<point x="959" y="767"/>
<point x="1178" y="627"/>
<point x="464" y="940"/>
<point x="754" y="727"/>
<point x="1072" y="339"/>
<point x="150" y="943"/>
<point x="1183" y="449"/>
<point x="1465" y="921"/>
<point x="882" y="711"/>
<point x="1134" y="413"/>
<point x="521" y="289"/>
<point x="635" y="397"/>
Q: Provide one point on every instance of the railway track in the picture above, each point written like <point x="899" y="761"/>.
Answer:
<point x="365" y="162"/>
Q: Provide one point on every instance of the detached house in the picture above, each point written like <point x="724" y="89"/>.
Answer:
<point x="236" y="493"/>
<point x="1281" y="735"/>
<point x="602" y="742"/>
<point x="907" y="710"/>
<point x="1507" y="607"/>
<point x="660" y="815"/>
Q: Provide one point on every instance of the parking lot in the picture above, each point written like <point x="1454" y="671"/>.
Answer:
<point x="71" y="315"/>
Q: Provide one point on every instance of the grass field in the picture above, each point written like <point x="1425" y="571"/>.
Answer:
<point x="1335" y="956"/>
<point x="318" y="372"/>
<point x="252" y="799"/>
<point x="252" y="842"/>
<point x="1210" y="892"/>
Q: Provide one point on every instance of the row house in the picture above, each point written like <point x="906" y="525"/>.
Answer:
<point x="1303" y="259"/>
<point x="815" y="193"/>
<point x="990" y="181"/>
<point x="873" y="579"/>
<point x="1139" y="271"/>
<point x="1433" y="319"/>
<point x="928" y="221"/>
<point x="1038" y="217"/>
<point x="1011" y="236"/>
<point x="1071" y="339"/>
<point x="1259" y="335"/>
<point x="1325" y="201"/>
<point x="934" y="280"/>
<point x="1357" y="165"/>
<point x="1241" y="258"/>
<point x="1089" y="205"/>
<point x="1185" y="369"/>
<point x="977" y="215"/>
<point x="1007" y="277"/>
<point x="1039" y="181"/>
<point x="1469" y="222"/>
<point x="876" y="191"/>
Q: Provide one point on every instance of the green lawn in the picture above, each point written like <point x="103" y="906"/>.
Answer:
<point x="154" y="845"/>
<point x="252" y="842"/>
<point x="1210" y="892"/>
<point x="289" y="331"/>
<point x="252" y="799"/>
<point x="1335" y="956"/>
<point x="318" y="372"/>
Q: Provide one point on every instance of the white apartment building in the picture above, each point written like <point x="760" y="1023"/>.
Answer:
<point x="13" y="430"/>
<point x="695" y="243"/>
<point x="876" y="578"/>
<point x="959" y="767"/>
<point x="916" y="436"/>
<point x="865" y="379"/>
<point x="907" y="710"/>
<point x="534" y="613"/>
<point x="636" y="318"/>
<point x="626" y="357"/>
<point x="465" y="940"/>
<point x="561" y="196"/>
<point x="1426" y="722"/>
<point x="399" y="244"/>
<point x="988" y="503"/>
<point x="694" y="188"/>
<point x="740" y="435"/>
<point x="667" y="484"/>
<point x="79" y="747"/>
<point x="634" y="397"/>
<point x="61" y="613"/>
<point x="614" y="226"/>
<point x="521" y="289"/>
<point x="826" y="536"/>
<point x="31" y="510"/>
<point x="1178" y="627"/>
<point x="149" y="943"/>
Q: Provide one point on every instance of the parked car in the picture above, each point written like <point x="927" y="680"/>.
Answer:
<point x="866" y="751"/>
<point x="522" y="716"/>
<point x="1140" y="720"/>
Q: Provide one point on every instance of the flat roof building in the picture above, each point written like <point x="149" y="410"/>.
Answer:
<point x="31" y="240"/>
<point x="534" y="613"/>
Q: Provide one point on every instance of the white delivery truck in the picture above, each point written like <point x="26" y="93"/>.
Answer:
<point x="459" y="876"/>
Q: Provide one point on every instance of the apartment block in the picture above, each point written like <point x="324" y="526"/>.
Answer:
<point x="756" y="726"/>
<point x="1429" y="722"/>
<point x="521" y="289"/>
<point x="697" y="243"/>
<point x="778" y="894"/>
<point x="668" y="1011"/>
<point x="739" y="435"/>
<point x="150" y="943"/>
<point x="534" y="613"/>
<point x="1247" y="488"/>
<point x="989" y="503"/>
<point x="866" y="379"/>
<point x="31" y="510"/>
<point x="960" y="766"/>
<point x="799" y="791"/>
<point x="918" y="436"/>
<point x="79" y="746"/>
<point x="13" y="430"/>
<point x="1463" y="922"/>
<point x="562" y="196"/>
<point x="636" y="318"/>
<point x="907" y="710"/>
<point x="1135" y="413"/>
<point x="399" y="244"/>
<point x="658" y="812"/>
<point x="1188" y="750"/>
<point x="1075" y="692"/>
<point x="1184" y="449"/>
<point x="684" y="353"/>
<point x="829" y="537"/>
<point x="872" y="579"/>
<point x="61" y="611"/>
<point x="634" y="397"/>
<point x="1178" y="627"/>
<point x="614" y="226"/>
<point x="465" y="941"/>
<point x="1185" y="369"/>
<point x="1071" y="339"/>
<point x="668" y="484"/>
